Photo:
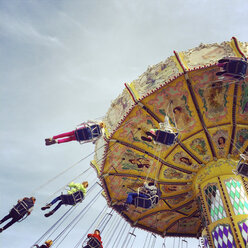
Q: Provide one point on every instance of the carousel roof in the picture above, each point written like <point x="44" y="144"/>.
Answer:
<point x="209" y="113"/>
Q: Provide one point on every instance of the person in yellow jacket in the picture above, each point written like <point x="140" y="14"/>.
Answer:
<point x="75" y="194"/>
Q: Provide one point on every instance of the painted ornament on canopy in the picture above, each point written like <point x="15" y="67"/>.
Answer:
<point x="174" y="188"/>
<point x="241" y="137"/>
<point x="131" y="131"/>
<point x="134" y="161"/>
<point x="179" y="199"/>
<point x="187" y="209"/>
<point x="200" y="147"/>
<point x="213" y="94"/>
<point x="220" y="138"/>
<point x="243" y="108"/>
<point x="171" y="173"/>
<point x="173" y="101"/>
<point x="183" y="159"/>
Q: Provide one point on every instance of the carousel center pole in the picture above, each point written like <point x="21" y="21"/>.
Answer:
<point x="223" y="198"/>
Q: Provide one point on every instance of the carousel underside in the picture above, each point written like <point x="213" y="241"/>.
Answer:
<point x="210" y="115"/>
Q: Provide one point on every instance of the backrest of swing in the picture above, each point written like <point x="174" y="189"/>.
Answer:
<point x="88" y="132"/>
<point x="147" y="203"/>
<point x="95" y="130"/>
<point x="21" y="208"/>
<point x="236" y="67"/>
<point x="242" y="169"/>
<point x="165" y="137"/>
<point x="72" y="199"/>
<point x="83" y="134"/>
<point x="94" y="243"/>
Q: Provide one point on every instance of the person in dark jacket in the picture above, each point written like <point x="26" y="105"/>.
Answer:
<point x="95" y="240"/>
<point x="47" y="244"/>
<point x="23" y="207"/>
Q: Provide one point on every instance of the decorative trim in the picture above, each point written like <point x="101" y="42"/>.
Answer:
<point x="180" y="62"/>
<point x="245" y="185"/>
<point x="130" y="91"/>
<point x="236" y="45"/>
<point x="230" y="214"/>
<point x="233" y="116"/>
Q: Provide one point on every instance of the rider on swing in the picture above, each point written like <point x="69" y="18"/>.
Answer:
<point x="74" y="189"/>
<point x="94" y="240"/>
<point x="147" y="191"/>
<point x="23" y="207"/>
<point x="165" y="135"/>
<point x="47" y="244"/>
<point x="87" y="132"/>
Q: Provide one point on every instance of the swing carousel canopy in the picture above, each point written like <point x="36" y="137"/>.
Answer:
<point x="209" y="113"/>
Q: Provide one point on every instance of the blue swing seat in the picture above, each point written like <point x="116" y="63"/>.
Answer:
<point x="149" y="202"/>
<point x="165" y="137"/>
<point x="72" y="199"/>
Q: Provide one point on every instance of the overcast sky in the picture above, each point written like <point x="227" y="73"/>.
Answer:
<point x="62" y="62"/>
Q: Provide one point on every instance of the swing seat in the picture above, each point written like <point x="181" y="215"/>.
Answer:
<point x="93" y="243"/>
<point x="165" y="137"/>
<point x="146" y="203"/>
<point x="242" y="169"/>
<point x="233" y="67"/>
<point x="88" y="133"/>
<point x="72" y="199"/>
<point x="21" y="208"/>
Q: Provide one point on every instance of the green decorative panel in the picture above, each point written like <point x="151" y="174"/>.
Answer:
<point x="214" y="202"/>
<point x="237" y="196"/>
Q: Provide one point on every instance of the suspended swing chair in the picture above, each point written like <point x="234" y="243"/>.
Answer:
<point x="87" y="132"/>
<point x="242" y="166"/>
<point x="21" y="210"/>
<point x="72" y="199"/>
<point x="164" y="135"/>
<point x="146" y="202"/>
<point x="92" y="242"/>
<point x="233" y="67"/>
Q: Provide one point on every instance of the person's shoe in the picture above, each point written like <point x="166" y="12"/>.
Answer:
<point x="50" y="141"/>
<point x="1" y="229"/>
<point x="148" y="139"/>
<point x="49" y="214"/>
<point x="46" y="207"/>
